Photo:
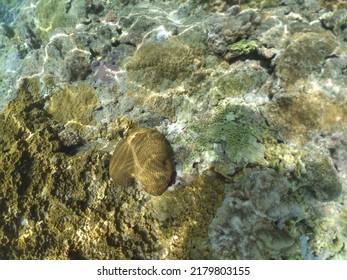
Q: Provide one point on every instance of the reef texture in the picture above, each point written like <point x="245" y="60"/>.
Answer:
<point x="226" y="120"/>
<point x="144" y="156"/>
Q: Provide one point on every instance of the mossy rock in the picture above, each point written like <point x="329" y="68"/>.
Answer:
<point x="333" y="4"/>
<point x="301" y="117"/>
<point x="323" y="181"/>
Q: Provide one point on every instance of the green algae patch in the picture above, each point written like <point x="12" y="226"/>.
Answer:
<point x="242" y="47"/>
<point x="238" y="129"/>
<point x="236" y="136"/>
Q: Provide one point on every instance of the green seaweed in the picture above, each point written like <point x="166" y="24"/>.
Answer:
<point x="242" y="47"/>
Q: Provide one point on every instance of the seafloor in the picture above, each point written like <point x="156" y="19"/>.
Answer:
<point x="248" y="159"/>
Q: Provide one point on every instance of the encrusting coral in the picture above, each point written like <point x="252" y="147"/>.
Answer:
<point x="143" y="156"/>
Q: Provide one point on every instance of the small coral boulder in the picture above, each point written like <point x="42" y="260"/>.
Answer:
<point x="144" y="156"/>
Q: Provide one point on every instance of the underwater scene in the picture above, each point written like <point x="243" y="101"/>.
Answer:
<point x="173" y="129"/>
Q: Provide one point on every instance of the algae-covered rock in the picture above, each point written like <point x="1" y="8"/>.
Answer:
<point x="244" y="79"/>
<point x="254" y="220"/>
<point x="225" y="29"/>
<point x="323" y="179"/>
<point x="303" y="57"/>
<point x="239" y="130"/>
<point x="333" y="4"/>
<point x="160" y="70"/>
<point x="302" y="116"/>
<point x="55" y="13"/>
<point x="286" y="159"/>
<point x="242" y="47"/>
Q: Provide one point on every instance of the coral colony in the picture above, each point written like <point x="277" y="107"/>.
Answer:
<point x="173" y="129"/>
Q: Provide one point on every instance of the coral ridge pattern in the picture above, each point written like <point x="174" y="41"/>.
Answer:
<point x="143" y="156"/>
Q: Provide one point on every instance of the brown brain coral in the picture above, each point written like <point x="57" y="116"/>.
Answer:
<point x="143" y="156"/>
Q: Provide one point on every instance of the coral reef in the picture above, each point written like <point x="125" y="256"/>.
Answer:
<point x="255" y="219"/>
<point x="143" y="156"/>
<point x="40" y="191"/>
<point x="250" y="101"/>
<point x="61" y="206"/>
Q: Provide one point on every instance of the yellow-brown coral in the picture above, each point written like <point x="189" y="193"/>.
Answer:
<point x="143" y="156"/>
